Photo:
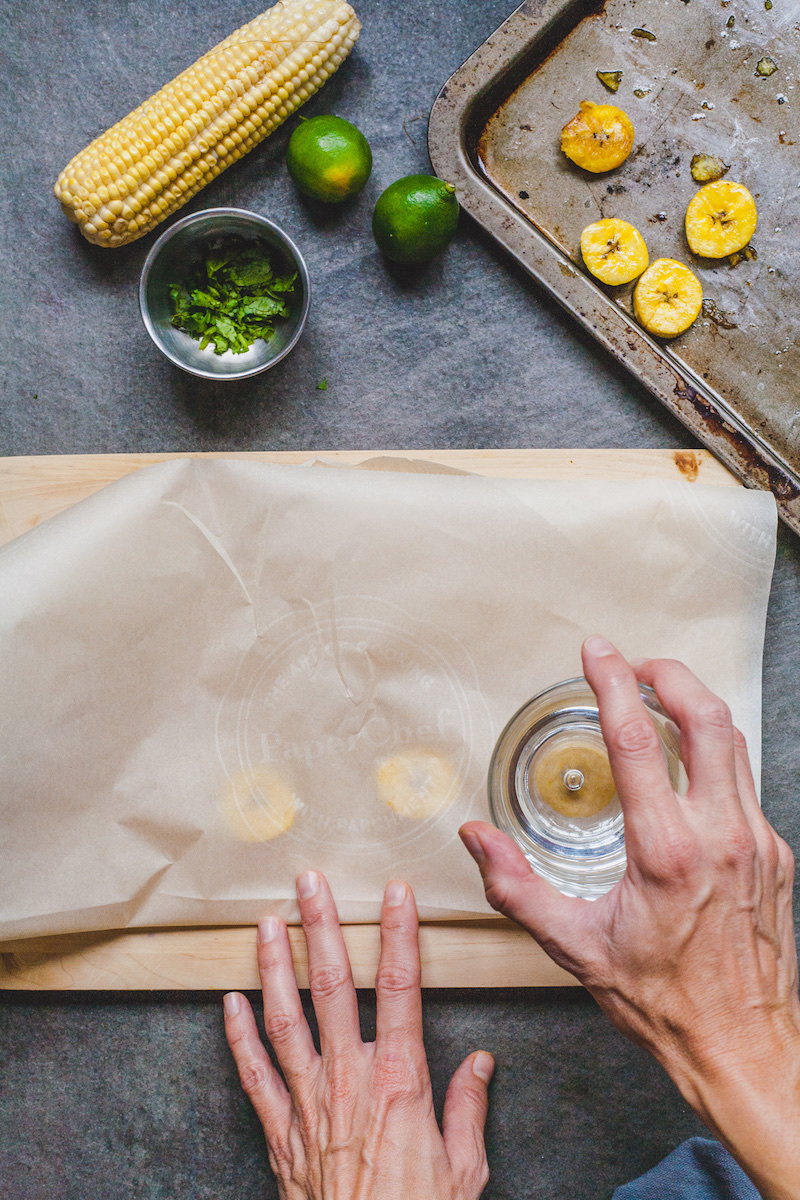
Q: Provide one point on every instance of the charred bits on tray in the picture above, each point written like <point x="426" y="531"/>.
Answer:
<point x="717" y="316"/>
<point x="747" y="254"/>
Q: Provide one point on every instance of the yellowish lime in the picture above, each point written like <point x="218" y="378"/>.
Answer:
<point x="328" y="159"/>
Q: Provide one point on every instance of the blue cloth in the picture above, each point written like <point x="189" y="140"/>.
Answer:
<point x="698" y="1170"/>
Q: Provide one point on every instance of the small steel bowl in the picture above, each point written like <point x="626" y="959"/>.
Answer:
<point x="174" y="255"/>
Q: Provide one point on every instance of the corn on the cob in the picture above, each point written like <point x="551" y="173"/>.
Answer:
<point x="155" y="159"/>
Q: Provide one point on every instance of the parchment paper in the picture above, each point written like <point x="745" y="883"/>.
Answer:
<point x="205" y="646"/>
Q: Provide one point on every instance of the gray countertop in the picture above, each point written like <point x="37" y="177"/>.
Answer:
<point x="134" y="1096"/>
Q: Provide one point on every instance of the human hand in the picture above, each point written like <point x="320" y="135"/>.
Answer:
<point x="692" y="954"/>
<point x="356" y="1121"/>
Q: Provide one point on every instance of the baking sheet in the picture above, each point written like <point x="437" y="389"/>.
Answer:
<point x="498" y="122"/>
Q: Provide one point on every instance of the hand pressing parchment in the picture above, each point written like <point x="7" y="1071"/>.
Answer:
<point x="692" y="954"/>
<point x="355" y="1121"/>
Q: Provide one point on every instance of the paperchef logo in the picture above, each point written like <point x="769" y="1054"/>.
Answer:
<point x="351" y="723"/>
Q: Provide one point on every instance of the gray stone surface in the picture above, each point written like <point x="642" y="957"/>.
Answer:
<point x="134" y="1097"/>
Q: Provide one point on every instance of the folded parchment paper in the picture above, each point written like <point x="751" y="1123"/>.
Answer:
<point x="216" y="674"/>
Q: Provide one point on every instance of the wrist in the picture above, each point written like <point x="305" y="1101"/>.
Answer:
<point x="749" y="1097"/>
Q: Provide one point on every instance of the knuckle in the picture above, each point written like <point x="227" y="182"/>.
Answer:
<point x="280" y="1026"/>
<point x="235" y="1036"/>
<point x="786" y="859"/>
<point x="634" y="737"/>
<point x="308" y="1117"/>
<point x="341" y="1086"/>
<point x="678" y="855"/>
<point x="395" y="1076"/>
<point x="327" y="980"/>
<point x="739" y="740"/>
<point x="479" y="1175"/>
<point x="280" y="1154"/>
<point x="314" y="917"/>
<point x="398" y="924"/>
<point x="474" y="1096"/>
<point x="740" y="847"/>
<point x="497" y="894"/>
<point x="617" y="678"/>
<point x="712" y="713"/>
<point x="396" y="979"/>
<point x="253" y="1076"/>
<point x="768" y="851"/>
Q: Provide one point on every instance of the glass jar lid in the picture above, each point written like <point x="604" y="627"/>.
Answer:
<point x="551" y="787"/>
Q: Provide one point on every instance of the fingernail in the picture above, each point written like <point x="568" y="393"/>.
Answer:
<point x="231" y="1003"/>
<point x="395" y="894"/>
<point x="473" y="845"/>
<point x="598" y="647"/>
<point x="639" y="662"/>
<point x="307" y="885"/>
<point x="268" y="929"/>
<point x="483" y="1066"/>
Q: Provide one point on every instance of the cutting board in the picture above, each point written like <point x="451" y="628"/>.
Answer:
<point x="490" y="953"/>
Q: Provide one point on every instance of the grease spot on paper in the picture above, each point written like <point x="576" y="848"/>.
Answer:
<point x="417" y="784"/>
<point x="258" y="805"/>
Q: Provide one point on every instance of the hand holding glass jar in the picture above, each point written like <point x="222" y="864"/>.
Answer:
<point x="692" y="953"/>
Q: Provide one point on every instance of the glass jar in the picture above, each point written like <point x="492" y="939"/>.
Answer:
<point x="551" y="788"/>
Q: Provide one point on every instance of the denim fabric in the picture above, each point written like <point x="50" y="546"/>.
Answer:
<point x="698" y="1170"/>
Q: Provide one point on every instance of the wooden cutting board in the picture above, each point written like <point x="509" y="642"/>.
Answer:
<point x="491" y="953"/>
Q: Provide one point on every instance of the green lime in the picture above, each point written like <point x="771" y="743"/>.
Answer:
<point x="328" y="158"/>
<point x="415" y="218"/>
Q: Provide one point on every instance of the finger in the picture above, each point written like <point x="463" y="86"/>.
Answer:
<point x="767" y="839"/>
<point x="284" y="1021"/>
<point x="744" y="781"/>
<point x="464" y="1118"/>
<point x="513" y="888"/>
<point x="329" y="975"/>
<point x="634" y="747"/>
<point x="397" y="983"/>
<point x="705" y="725"/>
<point x="258" y="1077"/>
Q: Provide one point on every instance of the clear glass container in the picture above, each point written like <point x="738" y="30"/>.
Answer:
<point x="551" y="788"/>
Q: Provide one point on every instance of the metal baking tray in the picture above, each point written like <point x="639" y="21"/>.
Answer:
<point x="734" y="377"/>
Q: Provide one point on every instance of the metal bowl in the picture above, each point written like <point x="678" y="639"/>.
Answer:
<point x="178" y="251"/>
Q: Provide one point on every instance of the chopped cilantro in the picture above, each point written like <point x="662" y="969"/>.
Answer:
<point x="232" y="299"/>
<point x="322" y="386"/>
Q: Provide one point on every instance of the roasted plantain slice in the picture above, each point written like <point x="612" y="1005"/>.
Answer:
<point x="667" y="298"/>
<point x="613" y="250"/>
<point x="720" y="219"/>
<point x="598" y="138"/>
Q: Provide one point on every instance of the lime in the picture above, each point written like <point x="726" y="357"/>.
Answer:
<point x="328" y="158"/>
<point x="415" y="218"/>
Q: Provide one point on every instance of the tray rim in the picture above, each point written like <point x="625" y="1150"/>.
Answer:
<point x="699" y="408"/>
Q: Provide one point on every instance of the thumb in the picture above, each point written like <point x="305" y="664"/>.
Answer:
<point x="514" y="889"/>
<point x="465" y="1107"/>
